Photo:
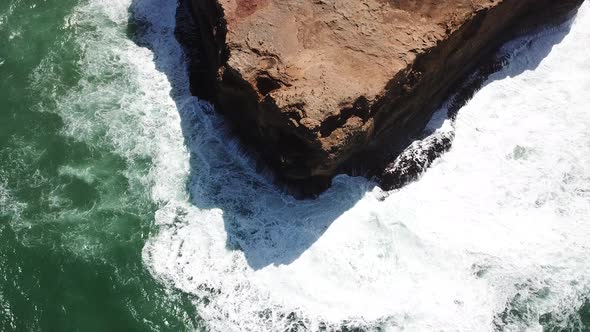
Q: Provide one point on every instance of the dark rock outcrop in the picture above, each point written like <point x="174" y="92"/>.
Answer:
<point x="319" y="87"/>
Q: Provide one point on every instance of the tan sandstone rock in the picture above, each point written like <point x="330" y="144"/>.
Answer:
<point x="326" y="86"/>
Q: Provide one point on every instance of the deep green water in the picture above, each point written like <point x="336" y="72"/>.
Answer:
<point x="77" y="192"/>
<point x="72" y="219"/>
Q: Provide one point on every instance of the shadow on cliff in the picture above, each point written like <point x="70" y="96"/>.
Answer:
<point x="544" y="40"/>
<point x="267" y="225"/>
<point x="504" y="65"/>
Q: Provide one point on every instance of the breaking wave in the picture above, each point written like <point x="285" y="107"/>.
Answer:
<point x="494" y="235"/>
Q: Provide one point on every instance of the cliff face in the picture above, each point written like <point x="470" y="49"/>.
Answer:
<point x="325" y="86"/>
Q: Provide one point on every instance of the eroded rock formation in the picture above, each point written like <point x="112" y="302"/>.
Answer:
<point x="326" y="86"/>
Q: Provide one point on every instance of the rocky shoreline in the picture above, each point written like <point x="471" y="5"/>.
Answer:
<point x="320" y="88"/>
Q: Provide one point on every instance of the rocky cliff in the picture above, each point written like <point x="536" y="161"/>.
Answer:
<point x="319" y="87"/>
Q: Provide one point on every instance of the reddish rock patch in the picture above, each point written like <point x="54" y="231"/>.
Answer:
<point x="248" y="7"/>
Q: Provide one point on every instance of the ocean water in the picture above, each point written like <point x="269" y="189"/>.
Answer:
<point x="125" y="205"/>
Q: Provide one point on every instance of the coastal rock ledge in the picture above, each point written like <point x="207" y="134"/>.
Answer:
<point x="319" y="87"/>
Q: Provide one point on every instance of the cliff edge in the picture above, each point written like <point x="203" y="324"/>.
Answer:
<point x="326" y="86"/>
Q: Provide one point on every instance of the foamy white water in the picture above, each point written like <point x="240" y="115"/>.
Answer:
<point x="498" y="223"/>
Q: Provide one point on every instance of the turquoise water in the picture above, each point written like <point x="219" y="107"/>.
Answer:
<point x="124" y="207"/>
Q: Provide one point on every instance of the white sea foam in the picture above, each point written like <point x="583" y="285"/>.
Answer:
<point x="9" y="206"/>
<point x="499" y="221"/>
<point x="122" y="99"/>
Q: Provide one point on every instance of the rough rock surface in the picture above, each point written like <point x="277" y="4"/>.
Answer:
<point x="326" y="86"/>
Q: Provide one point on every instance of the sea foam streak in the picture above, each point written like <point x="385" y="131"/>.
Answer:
<point x="499" y="221"/>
